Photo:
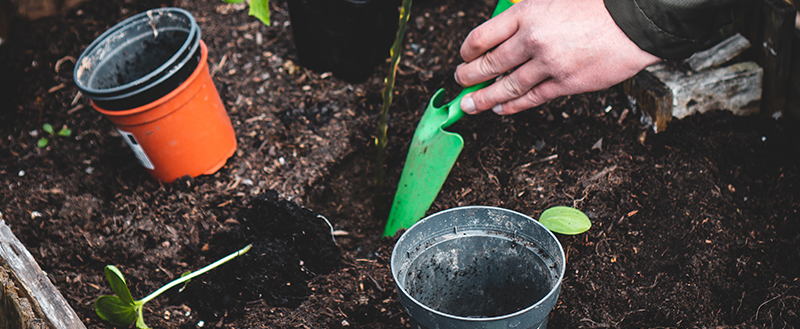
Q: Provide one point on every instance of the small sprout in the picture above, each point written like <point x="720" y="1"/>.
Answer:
<point x="565" y="220"/>
<point x="48" y="128"/>
<point x="64" y="132"/>
<point x="122" y="310"/>
<point x="258" y="8"/>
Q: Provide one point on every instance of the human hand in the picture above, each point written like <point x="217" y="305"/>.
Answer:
<point x="547" y="49"/>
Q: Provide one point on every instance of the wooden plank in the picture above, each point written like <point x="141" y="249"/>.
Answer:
<point x="15" y="311"/>
<point x="793" y="87"/>
<point x="719" y="54"/>
<point x="736" y="88"/>
<point x="652" y="96"/>
<point x="769" y="25"/>
<point x="34" y="285"/>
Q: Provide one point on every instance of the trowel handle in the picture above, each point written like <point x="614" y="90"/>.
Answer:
<point x="454" y="112"/>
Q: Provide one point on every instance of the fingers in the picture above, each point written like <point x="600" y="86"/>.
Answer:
<point x="518" y="84"/>
<point x="488" y="35"/>
<point x="499" y="60"/>
<point x="538" y="95"/>
<point x="542" y="93"/>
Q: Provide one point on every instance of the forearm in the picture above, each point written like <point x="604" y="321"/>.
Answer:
<point x="671" y="29"/>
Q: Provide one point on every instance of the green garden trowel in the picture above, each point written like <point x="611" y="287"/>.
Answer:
<point x="432" y="154"/>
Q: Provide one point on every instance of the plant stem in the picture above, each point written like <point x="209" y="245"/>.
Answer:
<point x="381" y="139"/>
<point x="194" y="274"/>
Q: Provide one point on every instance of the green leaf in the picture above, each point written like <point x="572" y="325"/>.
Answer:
<point x="233" y="1"/>
<point x="140" y="320"/>
<point x="42" y="143"/>
<point x="260" y="9"/>
<point x="64" y="132"/>
<point x="48" y="128"/>
<point x="115" y="310"/>
<point x="565" y="220"/>
<point x="117" y="281"/>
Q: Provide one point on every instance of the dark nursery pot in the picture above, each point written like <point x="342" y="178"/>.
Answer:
<point x="140" y="59"/>
<point x="478" y="267"/>
<point x="345" y="37"/>
<point x="149" y="75"/>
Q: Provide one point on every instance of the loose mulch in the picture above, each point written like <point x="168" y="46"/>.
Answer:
<point x="696" y="226"/>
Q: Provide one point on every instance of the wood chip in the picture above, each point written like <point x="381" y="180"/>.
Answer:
<point x="77" y="97"/>
<point x="56" y="88"/>
<point x="62" y="60"/>
<point x="75" y="109"/>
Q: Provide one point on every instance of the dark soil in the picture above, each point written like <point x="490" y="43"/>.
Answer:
<point x="697" y="226"/>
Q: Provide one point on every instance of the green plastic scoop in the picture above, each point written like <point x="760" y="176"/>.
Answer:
<point x="432" y="154"/>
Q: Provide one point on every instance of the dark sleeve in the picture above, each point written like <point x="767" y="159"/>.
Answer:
<point x="671" y="29"/>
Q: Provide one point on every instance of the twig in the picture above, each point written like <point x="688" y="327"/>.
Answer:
<point x="616" y="324"/>
<point x="375" y="282"/>
<point x="62" y="60"/>
<point x="75" y="100"/>
<point x="75" y="109"/>
<point x="655" y="282"/>
<point x="740" y="301"/>
<point x="57" y="88"/>
<point x="331" y="226"/>
<point x="602" y="325"/>
<point x="220" y="65"/>
<point x="545" y="159"/>
<point x="765" y="303"/>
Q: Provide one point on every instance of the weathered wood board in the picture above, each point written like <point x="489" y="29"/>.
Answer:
<point x="770" y="25"/>
<point x="793" y="92"/>
<point x="33" y="285"/>
<point x="736" y="88"/>
<point x="700" y="84"/>
<point x="15" y="311"/>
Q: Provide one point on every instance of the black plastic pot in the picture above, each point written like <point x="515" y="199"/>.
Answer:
<point x="345" y="37"/>
<point x="139" y="60"/>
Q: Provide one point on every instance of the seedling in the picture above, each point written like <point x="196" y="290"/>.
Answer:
<point x="122" y="310"/>
<point x="48" y="128"/>
<point x="258" y="8"/>
<point x="380" y="137"/>
<point x="565" y="220"/>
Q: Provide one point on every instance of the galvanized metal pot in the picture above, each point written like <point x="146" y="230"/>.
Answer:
<point x="478" y="267"/>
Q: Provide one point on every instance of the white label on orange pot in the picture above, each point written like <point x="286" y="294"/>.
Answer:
<point x="137" y="149"/>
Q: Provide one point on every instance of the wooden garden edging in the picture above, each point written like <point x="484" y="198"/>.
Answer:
<point x="765" y="76"/>
<point x="31" y="286"/>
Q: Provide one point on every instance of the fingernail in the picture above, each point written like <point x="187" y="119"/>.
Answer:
<point x="455" y="77"/>
<point x="498" y="109"/>
<point x="467" y="104"/>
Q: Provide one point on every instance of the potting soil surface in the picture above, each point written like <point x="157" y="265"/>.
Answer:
<point x="696" y="226"/>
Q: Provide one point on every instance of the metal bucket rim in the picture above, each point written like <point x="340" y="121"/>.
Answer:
<point x="556" y="289"/>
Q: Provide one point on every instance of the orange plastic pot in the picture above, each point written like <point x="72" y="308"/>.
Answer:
<point x="186" y="132"/>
